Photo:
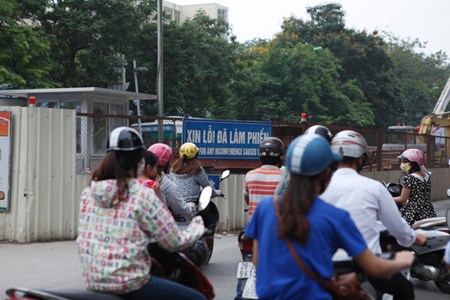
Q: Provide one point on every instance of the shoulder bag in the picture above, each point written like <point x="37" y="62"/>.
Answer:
<point x="341" y="287"/>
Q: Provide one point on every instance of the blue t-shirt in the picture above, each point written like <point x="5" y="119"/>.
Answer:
<point x="277" y="274"/>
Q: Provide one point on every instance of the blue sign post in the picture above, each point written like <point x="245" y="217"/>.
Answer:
<point x="220" y="139"/>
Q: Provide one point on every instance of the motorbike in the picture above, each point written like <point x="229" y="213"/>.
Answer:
<point x="342" y="263"/>
<point x="200" y="253"/>
<point x="174" y="266"/>
<point x="431" y="266"/>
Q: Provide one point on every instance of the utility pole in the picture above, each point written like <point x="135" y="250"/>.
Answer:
<point x="160" y="72"/>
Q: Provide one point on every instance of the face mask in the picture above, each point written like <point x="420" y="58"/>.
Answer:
<point x="405" y="167"/>
<point x="141" y="167"/>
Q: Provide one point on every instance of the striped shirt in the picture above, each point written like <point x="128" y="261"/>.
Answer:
<point x="259" y="183"/>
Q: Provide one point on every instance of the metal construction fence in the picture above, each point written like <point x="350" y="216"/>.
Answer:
<point x="384" y="146"/>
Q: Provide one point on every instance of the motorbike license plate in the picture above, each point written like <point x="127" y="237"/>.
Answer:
<point x="250" y="289"/>
<point x="245" y="270"/>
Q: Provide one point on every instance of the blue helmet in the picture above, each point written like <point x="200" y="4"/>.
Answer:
<point x="309" y="155"/>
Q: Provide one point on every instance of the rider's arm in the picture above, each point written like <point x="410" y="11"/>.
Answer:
<point x="158" y="222"/>
<point x="173" y="200"/>
<point x="389" y="215"/>
<point x="255" y="253"/>
<point x="203" y="181"/>
<point x="378" y="267"/>
<point x="404" y="196"/>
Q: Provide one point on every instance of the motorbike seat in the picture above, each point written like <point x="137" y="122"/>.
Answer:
<point x="428" y="222"/>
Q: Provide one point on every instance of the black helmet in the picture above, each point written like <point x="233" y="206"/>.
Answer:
<point x="271" y="147"/>
<point x="320" y="130"/>
<point x="127" y="145"/>
<point x="124" y="139"/>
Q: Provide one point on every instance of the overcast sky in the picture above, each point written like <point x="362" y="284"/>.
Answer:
<point x="427" y="20"/>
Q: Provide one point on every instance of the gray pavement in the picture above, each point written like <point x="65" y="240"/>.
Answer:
<point x="441" y="207"/>
<point x="55" y="265"/>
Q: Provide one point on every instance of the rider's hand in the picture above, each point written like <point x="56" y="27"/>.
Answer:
<point x="157" y="178"/>
<point x="405" y="258"/>
<point x="421" y="240"/>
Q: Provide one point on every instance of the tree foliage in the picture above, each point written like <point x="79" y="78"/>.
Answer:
<point x="317" y="65"/>
<point x="24" y="47"/>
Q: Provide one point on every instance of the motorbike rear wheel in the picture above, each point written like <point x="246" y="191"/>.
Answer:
<point x="444" y="283"/>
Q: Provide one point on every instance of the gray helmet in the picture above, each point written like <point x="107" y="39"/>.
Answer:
<point x="271" y="147"/>
<point x="349" y="143"/>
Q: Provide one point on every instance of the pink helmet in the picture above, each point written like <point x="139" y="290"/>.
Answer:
<point x="163" y="151"/>
<point x="413" y="155"/>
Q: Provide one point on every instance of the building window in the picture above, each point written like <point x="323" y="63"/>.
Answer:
<point x="47" y="104"/>
<point x="222" y="14"/>
<point x="99" y="128"/>
<point x="77" y="107"/>
<point x="168" y="11"/>
<point x="116" y="109"/>
<point x="177" y="16"/>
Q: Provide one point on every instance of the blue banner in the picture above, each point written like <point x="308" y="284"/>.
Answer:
<point x="220" y="139"/>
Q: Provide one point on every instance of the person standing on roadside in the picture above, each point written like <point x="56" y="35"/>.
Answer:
<point x="368" y="201"/>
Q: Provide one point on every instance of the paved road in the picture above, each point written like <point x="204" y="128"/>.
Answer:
<point x="55" y="265"/>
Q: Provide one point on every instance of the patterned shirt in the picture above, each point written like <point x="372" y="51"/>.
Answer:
<point x="114" y="229"/>
<point x="259" y="183"/>
<point x="419" y="205"/>
<point x="189" y="185"/>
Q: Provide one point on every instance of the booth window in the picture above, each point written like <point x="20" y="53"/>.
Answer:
<point x="99" y="128"/>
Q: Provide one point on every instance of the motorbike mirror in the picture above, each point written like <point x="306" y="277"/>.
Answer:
<point x="448" y="192"/>
<point x="448" y="217"/>
<point x="225" y="174"/>
<point x="205" y="198"/>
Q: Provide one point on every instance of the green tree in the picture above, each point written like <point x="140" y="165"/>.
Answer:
<point x="199" y="58"/>
<point x="88" y="36"/>
<point x="286" y="81"/>
<point x="24" y="47"/>
<point x="421" y="77"/>
<point x="362" y="56"/>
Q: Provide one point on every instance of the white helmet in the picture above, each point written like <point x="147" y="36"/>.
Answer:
<point x="349" y="143"/>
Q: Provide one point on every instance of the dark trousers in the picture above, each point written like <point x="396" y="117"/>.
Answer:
<point x="396" y="285"/>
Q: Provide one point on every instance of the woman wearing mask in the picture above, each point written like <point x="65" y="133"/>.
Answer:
<point x="188" y="174"/>
<point x="118" y="217"/>
<point x="415" y="197"/>
<point x="315" y="229"/>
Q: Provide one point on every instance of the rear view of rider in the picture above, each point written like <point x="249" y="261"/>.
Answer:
<point x="416" y="192"/>
<point x="367" y="201"/>
<point x="188" y="174"/>
<point x="118" y="217"/>
<point x="261" y="182"/>
<point x="315" y="129"/>
<point x="168" y="189"/>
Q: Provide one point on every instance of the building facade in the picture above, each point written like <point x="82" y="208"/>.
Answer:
<point x="179" y="13"/>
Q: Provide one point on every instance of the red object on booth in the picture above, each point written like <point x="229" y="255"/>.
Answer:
<point x="303" y="117"/>
<point x="32" y="101"/>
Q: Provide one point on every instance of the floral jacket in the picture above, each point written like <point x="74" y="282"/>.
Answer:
<point x="115" y="227"/>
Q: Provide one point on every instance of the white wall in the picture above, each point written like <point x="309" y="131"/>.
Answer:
<point x="43" y="202"/>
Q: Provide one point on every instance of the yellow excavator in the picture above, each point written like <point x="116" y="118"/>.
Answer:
<point x="439" y="118"/>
